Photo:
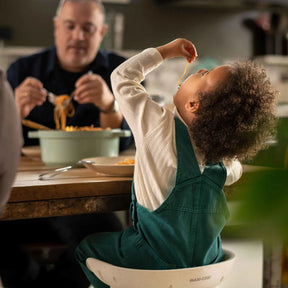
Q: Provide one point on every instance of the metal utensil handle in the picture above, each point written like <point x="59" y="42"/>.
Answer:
<point x="51" y="174"/>
<point x="48" y="175"/>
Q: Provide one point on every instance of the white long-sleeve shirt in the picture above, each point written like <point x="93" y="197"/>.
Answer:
<point x="154" y="132"/>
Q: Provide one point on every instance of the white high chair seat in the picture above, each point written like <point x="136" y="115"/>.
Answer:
<point x="209" y="276"/>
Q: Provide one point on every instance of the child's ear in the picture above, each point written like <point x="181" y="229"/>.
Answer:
<point x="192" y="106"/>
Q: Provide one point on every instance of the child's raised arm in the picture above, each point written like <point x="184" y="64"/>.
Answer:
<point x="177" y="48"/>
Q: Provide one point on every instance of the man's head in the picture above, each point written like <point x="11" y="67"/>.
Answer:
<point x="79" y="28"/>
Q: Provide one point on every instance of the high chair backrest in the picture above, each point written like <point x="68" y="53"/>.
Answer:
<point x="201" y="277"/>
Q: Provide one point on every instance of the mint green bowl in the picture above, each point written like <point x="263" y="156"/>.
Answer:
<point x="68" y="147"/>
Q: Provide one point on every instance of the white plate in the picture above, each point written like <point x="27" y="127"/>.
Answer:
<point x="109" y="166"/>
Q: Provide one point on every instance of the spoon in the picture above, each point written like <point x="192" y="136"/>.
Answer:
<point x="51" y="174"/>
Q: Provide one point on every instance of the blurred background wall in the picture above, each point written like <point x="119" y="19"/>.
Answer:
<point x="220" y="33"/>
<point x="216" y="32"/>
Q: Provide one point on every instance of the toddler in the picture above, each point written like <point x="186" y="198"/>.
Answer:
<point x="183" y="159"/>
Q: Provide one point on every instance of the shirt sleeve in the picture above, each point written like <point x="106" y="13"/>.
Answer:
<point x="133" y="100"/>
<point x="234" y="171"/>
<point x="10" y="140"/>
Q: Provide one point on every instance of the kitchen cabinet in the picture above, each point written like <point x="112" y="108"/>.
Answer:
<point x="238" y="4"/>
<point x="10" y="54"/>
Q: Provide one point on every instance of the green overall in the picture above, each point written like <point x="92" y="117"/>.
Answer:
<point x="183" y="232"/>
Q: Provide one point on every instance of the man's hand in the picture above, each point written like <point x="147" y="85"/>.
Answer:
<point x="178" y="48"/>
<point x="29" y="94"/>
<point x="91" y="88"/>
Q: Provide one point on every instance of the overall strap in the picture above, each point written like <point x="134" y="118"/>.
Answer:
<point x="187" y="165"/>
<point x="216" y="173"/>
<point x="133" y="204"/>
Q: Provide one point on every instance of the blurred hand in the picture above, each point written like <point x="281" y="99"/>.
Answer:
<point x="29" y="94"/>
<point x="179" y="48"/>
<point x="91" y="88"/>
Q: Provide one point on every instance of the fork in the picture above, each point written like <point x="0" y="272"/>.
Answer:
<point x="52" y="98"/>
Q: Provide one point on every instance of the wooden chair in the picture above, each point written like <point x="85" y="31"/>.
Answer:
<point x="209" y="276"/>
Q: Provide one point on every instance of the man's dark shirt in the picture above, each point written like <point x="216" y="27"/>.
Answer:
<point x="44" y="66"/>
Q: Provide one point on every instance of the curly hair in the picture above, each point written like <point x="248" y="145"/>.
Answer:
<point x="236" y="119"/>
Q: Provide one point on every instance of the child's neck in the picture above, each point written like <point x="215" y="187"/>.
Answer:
<point x="185" y="116"/>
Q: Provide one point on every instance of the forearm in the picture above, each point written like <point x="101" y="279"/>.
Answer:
<point x="126" y="79"/>
<point x="131" y="96"/>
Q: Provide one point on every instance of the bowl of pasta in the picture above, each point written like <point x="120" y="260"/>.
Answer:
<point x="68" y="147"/>
<point x="111" y="166"/>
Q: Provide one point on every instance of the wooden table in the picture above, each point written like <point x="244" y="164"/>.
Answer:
<point x="77" y="191"/>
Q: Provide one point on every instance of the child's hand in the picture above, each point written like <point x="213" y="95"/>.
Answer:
<point x="177" y="48"/>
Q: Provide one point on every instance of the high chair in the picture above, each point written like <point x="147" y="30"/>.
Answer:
<point x="209" y="276"/>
